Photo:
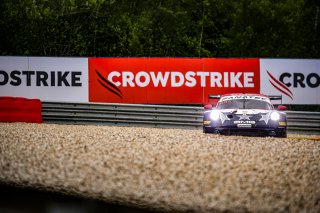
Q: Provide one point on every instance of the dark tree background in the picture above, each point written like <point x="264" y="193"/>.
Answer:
<point x="182" y="28"/>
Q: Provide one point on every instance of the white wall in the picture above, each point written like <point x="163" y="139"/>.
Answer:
<point x="292" y="70"/>
<point x="78" y="67"/>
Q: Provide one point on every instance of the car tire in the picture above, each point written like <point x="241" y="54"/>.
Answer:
<point x="282" y="134"/>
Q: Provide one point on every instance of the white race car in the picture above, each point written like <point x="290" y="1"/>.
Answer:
<point x="245" y="114"/>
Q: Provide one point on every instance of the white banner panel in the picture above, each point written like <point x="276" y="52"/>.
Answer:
<point x="297" y="80"/>
<point x="46" y="78"/>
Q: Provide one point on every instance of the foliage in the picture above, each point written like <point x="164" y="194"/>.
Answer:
<point x="182" y="28"/>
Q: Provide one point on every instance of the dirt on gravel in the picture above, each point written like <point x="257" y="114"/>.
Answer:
<point x="166" y="169"/>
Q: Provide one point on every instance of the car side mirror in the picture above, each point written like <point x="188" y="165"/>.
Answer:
<point x="207" y="106"/>
<point x="281" y="107"/>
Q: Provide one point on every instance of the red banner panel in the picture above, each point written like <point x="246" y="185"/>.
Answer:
<point x="169" y="80"/>
<point x="20" y="110"/>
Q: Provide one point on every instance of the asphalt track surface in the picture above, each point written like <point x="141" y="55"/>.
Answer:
<point x="164" y="169"/>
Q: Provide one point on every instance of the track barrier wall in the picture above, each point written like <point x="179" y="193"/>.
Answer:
<point x="18" y="109"/>
<point x="162" y="116"/>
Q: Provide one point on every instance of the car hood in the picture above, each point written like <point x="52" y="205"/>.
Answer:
<point x="244" y="111"/>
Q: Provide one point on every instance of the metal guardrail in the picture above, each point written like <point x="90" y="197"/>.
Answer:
<point x="153" y="115"/>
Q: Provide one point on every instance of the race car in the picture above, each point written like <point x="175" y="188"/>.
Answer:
<point x="245" y="114"/>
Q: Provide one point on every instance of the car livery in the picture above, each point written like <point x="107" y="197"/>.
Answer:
<point x="245" y="114"/>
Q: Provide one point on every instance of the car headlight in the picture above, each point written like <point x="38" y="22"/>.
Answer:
<point x="275" y="116"/>
<point x="215" y="115"/>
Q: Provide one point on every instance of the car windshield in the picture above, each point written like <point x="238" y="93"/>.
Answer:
<point x="244" y="104"/>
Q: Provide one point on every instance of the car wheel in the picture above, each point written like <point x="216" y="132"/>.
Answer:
<point x="282" y="134"/>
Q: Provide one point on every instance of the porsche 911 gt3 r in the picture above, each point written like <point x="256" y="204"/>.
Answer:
<point x="245" y="114"/>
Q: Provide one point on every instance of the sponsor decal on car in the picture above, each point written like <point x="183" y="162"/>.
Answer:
<point x="244" y="125"/>
<point x="265" y="117"/>
<point x="244" y="117"/>
<point x="233" y="97"/>
<point x="244" y="122"/>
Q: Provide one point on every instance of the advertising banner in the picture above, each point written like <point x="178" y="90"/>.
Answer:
<point x="169" y="80"/>
<point x="45" y="78"/>
<point x="297" y="80"/>
<point x="157" y="80"/>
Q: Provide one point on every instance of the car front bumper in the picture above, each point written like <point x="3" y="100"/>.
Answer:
<point x="269" y="131"/>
